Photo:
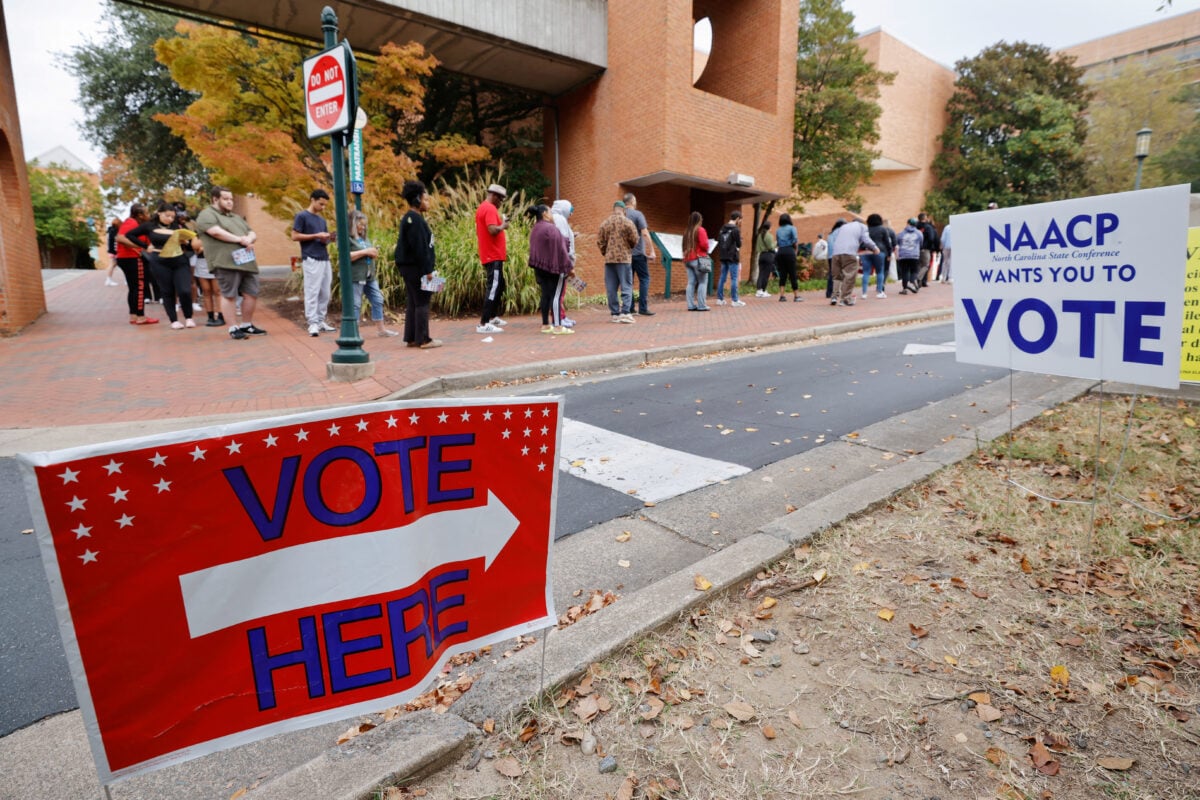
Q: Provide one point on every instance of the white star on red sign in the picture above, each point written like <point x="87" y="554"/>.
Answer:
<point x="545" y="412"/>
<point x="487" y="415"/>
<point x="159" y="460"/>
<point x="83" y="531"/>
<point x="528" y="413"/>
<point x="545" y="430"/>
<point x="125" y="521"/>
<point x="113" y="466"/>
<point x="524" y="451"/>
<point x="391" y="421"/>
<point x="76" y="504"/>
<point x="234" y="447"/>
<point x="163" y="485"/>
<point x="506" y="433"/>
<point x="270" y="440"/>
<point x="361" y="425"/>
<point x="412" y="419"/>
<point x="466" y="416"/>
<point x="119" y="495"/>
<point x="198" y="454"/>
<point x="527" y="432"/>
<point x="542" y="467"/>
<point x="69" y="476"/>
<point x="508" y="413"/>
<point x="301" y="435"/>
<point x="89" y="556"/>
<point x="442" y="417"/>
<point x="334" y="429"/>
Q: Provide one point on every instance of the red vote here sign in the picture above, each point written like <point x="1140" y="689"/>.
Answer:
<point x="218" y="586"/>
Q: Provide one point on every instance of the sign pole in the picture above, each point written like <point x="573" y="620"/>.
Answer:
<point x="350" y="344"/>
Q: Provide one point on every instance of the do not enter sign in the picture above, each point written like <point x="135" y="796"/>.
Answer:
<point x="328" y="88"/>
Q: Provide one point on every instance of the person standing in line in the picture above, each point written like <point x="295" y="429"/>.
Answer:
<point x="561" y="211"/>
<point x="616" y="239"/>
<point x="415" y="258"/>
<point x="164" y="242"/>
<point x="928" y="246"/>
<point x="785" y="257"/>
<point x="310" y="230"/>
<point x="113" y="227"/>
<point x="229" y="247"/>
<point x="765" y="244"/>
<point x="643" y="252"/>
<point x="885" y="240"/>
<point x="695" y="246"/>
<point x="363" y="275"/>
<point x="210" y="293"/>
<point x="852" y="239"/>
<point x="551" y="263"/>
<point x="729" y="248"/>
<point x="490" y="225"/>
<point x="945" y="276"/>
<point x="908" y="256"/>
<point x="129" y="260"/>
<point x="829" y="259"/>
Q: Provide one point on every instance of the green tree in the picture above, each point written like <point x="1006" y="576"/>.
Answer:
<point x="121" y="89"/>
<point x="1141" y="95"/>
<point x="1016" y="131"/>
<point x="837" y="114"/>
<point x="63" y="204"/>
<point x="1180" y="163"/>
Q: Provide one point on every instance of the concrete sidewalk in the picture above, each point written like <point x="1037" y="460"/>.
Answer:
<point x="82" y="374"/>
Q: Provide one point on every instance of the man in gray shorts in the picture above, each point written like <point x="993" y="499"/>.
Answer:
<point x="229" y="248"/>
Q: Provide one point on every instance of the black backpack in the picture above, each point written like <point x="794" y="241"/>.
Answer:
<point x="727" y="243"/>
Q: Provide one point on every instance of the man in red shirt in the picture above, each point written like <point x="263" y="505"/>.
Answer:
<point x="493" y="252"/>
<point x="129" y="259"/>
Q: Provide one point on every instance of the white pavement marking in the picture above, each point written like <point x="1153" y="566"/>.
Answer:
<point x="927" y="349"/>
<point x="631" y="466"/>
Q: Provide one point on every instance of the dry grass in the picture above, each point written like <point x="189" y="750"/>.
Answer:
<point x="971" y="640"/>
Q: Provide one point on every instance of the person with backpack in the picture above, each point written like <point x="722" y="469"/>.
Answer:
<point x="908" y="256"/>
<point x="729" y="248"/>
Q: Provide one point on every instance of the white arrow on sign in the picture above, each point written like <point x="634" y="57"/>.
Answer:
<point x="928" y="349"/>
<point x="344" y="568"/>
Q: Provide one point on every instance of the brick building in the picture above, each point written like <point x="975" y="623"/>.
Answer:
<point x="21" y="297"/>
<point x="647" y="126"/>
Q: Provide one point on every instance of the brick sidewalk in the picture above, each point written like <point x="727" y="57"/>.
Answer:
<point x="82" y="363"/>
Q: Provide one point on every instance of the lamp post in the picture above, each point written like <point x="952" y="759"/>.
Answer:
<point x="1141" y="149"/>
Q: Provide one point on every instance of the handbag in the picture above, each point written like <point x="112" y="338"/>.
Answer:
<point x="704" y="264"/>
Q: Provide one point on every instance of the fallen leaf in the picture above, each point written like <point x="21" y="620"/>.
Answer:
<point x="239" y="793"/>
<point x="624" y="536"/>
<point x="1043" y="762"/>
<point x="587" y="708"/>
<point x="1115" y="763"/>
<point x="702" y="583"/>
<point x="951" y="660"/>
<point x="768" y="732"/>
<point x="886" y="614"/>
<point x="489" y="726"/>
<point x="715" y="514"/>
<point x="917" y="632"/>
<point x="988" y="713"/>
<point x="982" y="698"/>
<point x="508" y="767"/>
<point x="625" y="792"/>
<point x="1060" y="675"/>
<point x="684" y="723"/>
<point x="740" y="711"/>
<point x="795" y="718"/>
<point x="623" y="563"/>
<point x="356" y="730"/>
<point x="768" y="602"/>
<point x="655" y="707"/>
<point x="995" y="755"/>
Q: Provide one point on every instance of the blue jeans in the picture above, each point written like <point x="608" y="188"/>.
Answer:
<point x="618" y="283"/>
<point x="732" y="269"/>
<point x="374" y="297"/>
<point x="697" y="286"/>
<point x="641" y="270"/>
<point x="873" y="261"/>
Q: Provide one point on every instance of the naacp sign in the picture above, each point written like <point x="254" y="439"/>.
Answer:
<point x="1089" y="288"/>
<point x="214" y="587"/>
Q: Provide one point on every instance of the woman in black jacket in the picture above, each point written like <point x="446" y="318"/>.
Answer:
<point x="168" y="245"/>
<point x="414" y="259"/>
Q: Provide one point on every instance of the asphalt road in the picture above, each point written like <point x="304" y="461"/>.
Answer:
<point x="794" y="399"/>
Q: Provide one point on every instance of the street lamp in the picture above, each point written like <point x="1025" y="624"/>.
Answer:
<point x="1141" y="149"/>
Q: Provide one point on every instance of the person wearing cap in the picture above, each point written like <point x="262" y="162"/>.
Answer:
<point x="493" y="252"/>
<point x="992" y="206"/>
<point x="908" y="256"/>
<point x="616" y="241"/>
<point x="853" y="238"/>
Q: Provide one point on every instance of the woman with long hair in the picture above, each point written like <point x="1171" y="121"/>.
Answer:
<point x="415" y="258"/>
<point x="551" y="262"/>
<point x="765" y="243"/>
<point x="165" y="241"/>
<point x="695" y="247"/>
<point x="785" y="257"/>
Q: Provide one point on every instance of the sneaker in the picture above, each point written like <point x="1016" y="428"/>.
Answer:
<point x="864" y="295"/>
<point x="782" y="299"/>
<point x="833" y="301"/>
<point x="487" y="327"/>
<point x="881" y="296"/>
<point x="646" y="313"/>
<point x="703" y="308"/>
<point x="720" y="302"/>
<point x="796" y="299"/>
<point x="616" y="317"/>
<point x="548" y="329"/>
<point x="189" y="323"/>
<point x="562" y="332"/>
<point x="220" y="318"/>
<point x="110" y="282"/>
<point x="239" y="333"/>
<point x="737" y="304"/>
<point x="499" y="323"/>
<point x="325" y="326"/>
<point x="176" y="325"/>
<point x="626" y="318"/>
<point x="385" y="333"/>
<point x="849" y="302"/>
<point x="568" y="323"/>
<point x="313" y="330"/>
<point x="432" y="343"/>
<point x="213" y="323"/>
<point x="254" y="330"/>
<point x="197" y="307"/>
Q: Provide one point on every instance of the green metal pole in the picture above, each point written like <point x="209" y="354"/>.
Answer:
<point x="350" y="344"/>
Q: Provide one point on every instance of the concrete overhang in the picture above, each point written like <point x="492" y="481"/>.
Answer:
<point x="885" y="164"/>
<point x="740" y="194"/>
<point x="544" y="46"/>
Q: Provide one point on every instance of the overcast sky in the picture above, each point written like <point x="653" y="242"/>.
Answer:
<point x="945" y="30"/>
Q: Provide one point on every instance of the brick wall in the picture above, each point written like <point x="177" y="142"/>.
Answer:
<point x="21" y="297"/>
<point x="1167" y="36"/>
<point x="274" y="246"/>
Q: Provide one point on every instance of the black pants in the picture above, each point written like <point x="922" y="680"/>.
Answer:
<point x="908" y="269"/>
<point x="416" y="310"/>
<point x="135" y="278"/>
<point x="641" y="272"/>
<point x="785" y="262"/>
<point x="766" y="268"/>
<point x="551" y="285"/>
<point x="174" y="277"/>
<point x="493" y="291"/>
<point x="829" y="278"/>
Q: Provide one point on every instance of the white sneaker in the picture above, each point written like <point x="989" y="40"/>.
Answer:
<point x="767" y="294"/>
<point x="488" y="328"/>
<point x="626" y="318"/>
<point x="864" y="294"/>
<point x="568" y="323"/>
<point x="882" y="295"/>
<point x="737" y="304"/>
<point x="616" y="317"/>
<point x="325" y="326"/>
<point x="720" y="302"/>
<point x="314" y="330"/>
<point x="499" y="323"/>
